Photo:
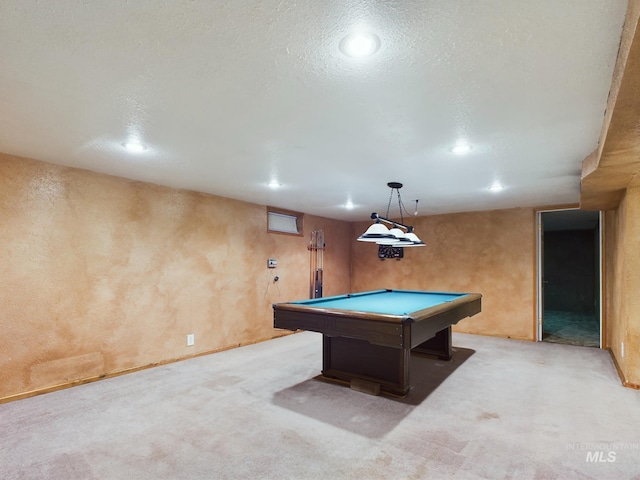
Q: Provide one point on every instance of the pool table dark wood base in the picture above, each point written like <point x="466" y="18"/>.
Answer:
<point x="350" y="359"/>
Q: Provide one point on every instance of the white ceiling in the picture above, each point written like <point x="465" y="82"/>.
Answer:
<point x="228" y="95"/>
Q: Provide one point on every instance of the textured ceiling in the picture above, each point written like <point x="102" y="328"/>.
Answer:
<point x="230" y="95"/>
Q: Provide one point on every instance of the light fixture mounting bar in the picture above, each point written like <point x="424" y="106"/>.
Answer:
<point x="375" y="216"/>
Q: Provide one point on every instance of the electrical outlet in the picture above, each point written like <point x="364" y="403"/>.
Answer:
<point x="272" y="263"/>
<point x="191" y="339"/>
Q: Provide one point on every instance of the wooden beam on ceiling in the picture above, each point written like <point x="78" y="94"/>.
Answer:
<point x="611" y="168"/>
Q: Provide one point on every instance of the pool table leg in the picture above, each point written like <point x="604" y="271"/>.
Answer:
<point x="360" y="362"/>
<point x="439" y="345"/>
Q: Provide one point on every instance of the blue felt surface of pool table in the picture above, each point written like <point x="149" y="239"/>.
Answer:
<point x="390" y="302"/>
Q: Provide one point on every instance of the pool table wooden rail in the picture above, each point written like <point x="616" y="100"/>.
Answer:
<point x="387" y="333"/>
<point x="377" y="328"/>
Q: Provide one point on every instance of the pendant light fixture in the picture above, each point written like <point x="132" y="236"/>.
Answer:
<point x="391" y="241"/>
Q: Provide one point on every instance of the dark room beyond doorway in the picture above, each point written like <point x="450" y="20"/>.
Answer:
<point x="571" y="280"/>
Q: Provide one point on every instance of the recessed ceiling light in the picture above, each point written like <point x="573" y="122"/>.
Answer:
<point x="134" y="147"/>
<point x="360" y="45"/>
<point x="461" y="149"/>
<point x="274" y="184"/>
<point x="349" y="205"/>
<point x="496" y="187"/>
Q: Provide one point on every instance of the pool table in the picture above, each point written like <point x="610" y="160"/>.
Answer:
<point x="368" y="337"/>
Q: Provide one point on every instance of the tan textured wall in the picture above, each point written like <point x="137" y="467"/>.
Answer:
<point x="100" y="274"/>
<point x="623" y="284"/>
<point x="491" y="252"/>
<point x="631" y="278"/>
<point x="613" y="265"/>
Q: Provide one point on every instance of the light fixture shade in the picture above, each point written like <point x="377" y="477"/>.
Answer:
<point x="388" y="241"/>
<point x="399" y="234"/>
<point x="415" y="241"/>
<point x="375" y="233"/>
<point x="398" y="239"/>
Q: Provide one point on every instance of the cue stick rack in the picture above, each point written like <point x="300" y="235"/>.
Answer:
<point x="316" y="249"/>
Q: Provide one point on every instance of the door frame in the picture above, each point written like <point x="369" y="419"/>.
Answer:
<point x="538" y="320"/>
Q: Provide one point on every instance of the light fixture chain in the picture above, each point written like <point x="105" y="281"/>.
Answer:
<point x="389" y="204"/>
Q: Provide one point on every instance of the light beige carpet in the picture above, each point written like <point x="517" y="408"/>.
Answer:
<point x="501" y="409"/>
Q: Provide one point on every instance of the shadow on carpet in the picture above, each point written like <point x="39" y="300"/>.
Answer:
<point x="371" y="416"/>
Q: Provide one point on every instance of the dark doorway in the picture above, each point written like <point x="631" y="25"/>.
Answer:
<point x="571" y="277"/>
